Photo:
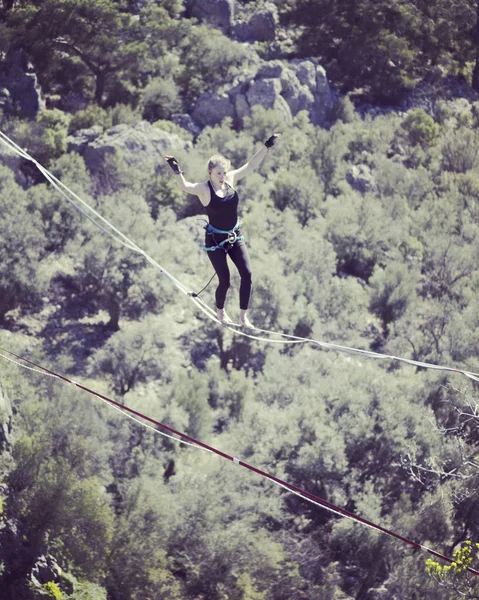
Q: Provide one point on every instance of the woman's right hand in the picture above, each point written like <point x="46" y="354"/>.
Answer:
<point x="171" y="160"/>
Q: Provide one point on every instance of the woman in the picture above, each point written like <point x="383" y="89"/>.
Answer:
<point x="223" y="237"/>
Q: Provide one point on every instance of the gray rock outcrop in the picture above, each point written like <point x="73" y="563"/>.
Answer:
<point x="20" y="86"/>
<point x="218" y="13"/>
<point x="361" y="179"/>
<point x="285" y="87"/>
<point x="46" y="569"/>
<point x="212" y="108"/>
<point x="83" y="137"/>
<point x="185" y="121"/>
<point x="5" y="100"/>
<point x="141" y="147"/>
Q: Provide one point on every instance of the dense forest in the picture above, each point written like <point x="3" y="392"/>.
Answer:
<point x="363" y="231"/>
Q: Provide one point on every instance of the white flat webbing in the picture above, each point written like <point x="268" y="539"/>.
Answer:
<point x="291" y="339"/>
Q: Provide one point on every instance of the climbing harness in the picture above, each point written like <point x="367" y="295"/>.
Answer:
<point x="231" y="237"/>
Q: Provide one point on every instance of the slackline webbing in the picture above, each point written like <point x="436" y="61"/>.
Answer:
<point x="307" y="496"/>
<point x="117" y="235"/>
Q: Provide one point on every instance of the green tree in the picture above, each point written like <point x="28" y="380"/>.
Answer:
<point x="419" y="128"/>
<point x="43" y="138"/>
<point x="209" y="58"/>
<point x="97" y="34"/>
<point x="132" y="356"/>
<point x="293" y="190"/>
<point x="384" y="45"/>
<point x="392" y="290"/>
<point x="163" y="30"/>
<point x="160" y="99"/>
<point x="358" y="42"/>
<point x="459" y="151"/>
<point x="59" y="507"/>
<point x="139" y="564"/>
<point x="22" y="245"/>
<point x="101" y="274"/>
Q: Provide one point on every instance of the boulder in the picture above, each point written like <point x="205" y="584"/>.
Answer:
<point x="140" y="146"/>
<point x="305" y="71"/>
<point x="83" y="137"/>
<point x="270" y="70"/>
<point x="261" y="26"/>
<point x="264" y="92"/>
<point x="212" y="108"/>
<point x="19" y="79"/>
<point x="267" y="93"/>
<point x="263" y="23"/>
<point x="298" y="96"/>
<point x="45" y="569"/>
<point x="324" y="99"/>
<point x="219" y="13"/>
<point x="361" y="179"/>
<point x="186" y="122"/>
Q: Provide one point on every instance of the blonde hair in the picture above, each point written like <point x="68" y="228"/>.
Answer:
<point x="218" y="161"/>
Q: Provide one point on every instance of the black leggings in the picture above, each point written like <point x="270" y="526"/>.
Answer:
<point x="239" y="255"/>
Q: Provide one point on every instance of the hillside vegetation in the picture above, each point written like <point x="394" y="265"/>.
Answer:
<point x="365" y="234"/>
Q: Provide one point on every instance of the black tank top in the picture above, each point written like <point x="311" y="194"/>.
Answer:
<point x="223" y="212"/>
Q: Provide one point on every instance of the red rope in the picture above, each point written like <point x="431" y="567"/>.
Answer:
<point x="303" y="493"/>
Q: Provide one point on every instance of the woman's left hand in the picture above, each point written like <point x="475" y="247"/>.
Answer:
<point x="271" y="141"/>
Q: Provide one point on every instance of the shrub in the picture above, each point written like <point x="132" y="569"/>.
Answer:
<point x="263" y="122"/>
<point x="160" y="99"/>
<point x="210" y="59"/>
<point x="52" y="590"/>
<point x="345" y="111"/>
<point x="45" y="138"/>
<point x="392" y="289"/>
<point x="171" y="127"/>
<point x="460" y="152"/>
<point x="55" y="124"/>
<point x="419" y="128"/>
<point x="124" y="114"/>
<point x="92" y="115"/>
<point x="105" y="118"/>
<point x="293" y="190"/>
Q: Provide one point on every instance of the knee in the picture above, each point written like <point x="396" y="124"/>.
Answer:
<point x="224" y="283"/>
<point x="247" y="276"/>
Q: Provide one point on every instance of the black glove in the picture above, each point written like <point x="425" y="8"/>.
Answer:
<point x="171" y="160"/>
<point x="272" y="140"/>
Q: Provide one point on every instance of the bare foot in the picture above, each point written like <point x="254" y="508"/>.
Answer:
<point x="246" y="322"/>
<point x="223" y="317"/>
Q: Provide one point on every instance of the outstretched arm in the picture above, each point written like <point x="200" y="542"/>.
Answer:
<point x="255" y="161"/>
<point x="198" y="189"/>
